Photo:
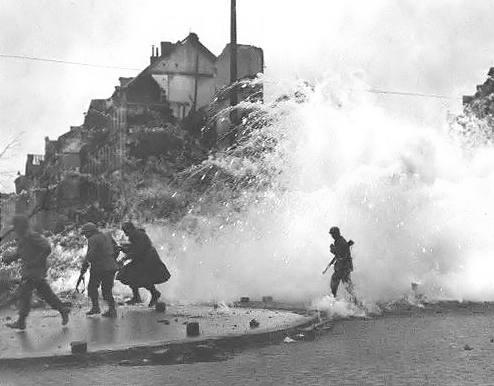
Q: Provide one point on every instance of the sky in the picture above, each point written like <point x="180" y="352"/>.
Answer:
<point x="437" y="46"/>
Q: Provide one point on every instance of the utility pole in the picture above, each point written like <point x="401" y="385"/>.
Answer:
<point x="233" y="51"/>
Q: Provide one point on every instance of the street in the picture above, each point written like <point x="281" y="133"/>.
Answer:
<point x="452" y="348"/>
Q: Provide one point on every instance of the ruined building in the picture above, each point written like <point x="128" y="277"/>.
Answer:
<point x="144" y="115"/>
<point x="482" y="102"/>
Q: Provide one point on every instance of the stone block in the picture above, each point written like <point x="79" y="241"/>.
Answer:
<point x="192" y="329"/>
<point x="78" y="347"/>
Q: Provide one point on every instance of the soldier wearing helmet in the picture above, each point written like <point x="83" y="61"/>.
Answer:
<point x="33" y="251"/>
<point x="100" y="257"/>
<point x="342" y="261"/>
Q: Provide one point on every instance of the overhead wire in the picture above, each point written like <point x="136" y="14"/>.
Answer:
<point x="60" y="61"/>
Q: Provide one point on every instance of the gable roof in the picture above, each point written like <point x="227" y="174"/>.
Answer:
<point x="191" y="38"/>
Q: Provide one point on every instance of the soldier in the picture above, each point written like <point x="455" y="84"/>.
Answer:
<point x="33" y="251"/>
<point x="342" y="260"/>
<point x="100" y="256"/>
<point x="145" y="269"/>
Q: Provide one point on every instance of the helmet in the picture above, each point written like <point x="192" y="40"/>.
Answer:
<point x="334" y="231"/>
<point x="89" y="228"/>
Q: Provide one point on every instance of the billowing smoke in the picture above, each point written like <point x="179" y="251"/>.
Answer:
<point x="417" y="204"/>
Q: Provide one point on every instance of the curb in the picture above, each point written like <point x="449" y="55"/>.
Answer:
<point x="178" y="347"/>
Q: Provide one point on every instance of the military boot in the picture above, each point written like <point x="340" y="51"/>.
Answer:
<point x="111" y="313"/>
<point x="155" y="295"/>
<point x="136" y="298"/>
<point x="64" y="312"/>
<point x="95" y="307"/>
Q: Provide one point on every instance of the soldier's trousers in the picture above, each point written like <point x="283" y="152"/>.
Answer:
<point x="104" y="279"/>
<point x="343" y="276"/>
<point x="27" y="286"/>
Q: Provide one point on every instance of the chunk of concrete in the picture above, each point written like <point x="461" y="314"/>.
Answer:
<point x="308" y="333"/>
<point x="78" y="347"/>
<point x="192" y="329"/>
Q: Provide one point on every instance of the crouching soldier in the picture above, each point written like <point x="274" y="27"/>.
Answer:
<point x="101" y="257"/>
<point x="33" y="251"/>
<point x="342" y="261"/>
<point x="145" y="268"/>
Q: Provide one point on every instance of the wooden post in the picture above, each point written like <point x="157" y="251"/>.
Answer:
<point x="233" y="50"/>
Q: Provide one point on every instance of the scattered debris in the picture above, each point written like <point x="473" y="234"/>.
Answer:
<point x="161" y="355"/>
<point x="467" y="347"/>
<point x="203" y="351"/>
<point x="308" y="333"/>
<point x="164" y="321"/>
<point x="253" y="323"/>
<point x="222" y="307"/>
<point x="323" y="315"/>
<point x="289" y="340"/>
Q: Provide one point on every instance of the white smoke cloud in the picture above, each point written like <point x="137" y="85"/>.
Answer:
<point x="417" y="206"/>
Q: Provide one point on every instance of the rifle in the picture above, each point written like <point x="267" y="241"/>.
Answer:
<point x="329" y="265"/>
<point x="350" y="243"/>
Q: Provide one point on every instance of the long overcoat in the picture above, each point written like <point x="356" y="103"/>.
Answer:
<point x="145" y="267"/>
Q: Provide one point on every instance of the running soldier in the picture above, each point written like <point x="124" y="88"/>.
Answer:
<point x="342" y="261"/>
<point x="33" y="251"/>
<point x="101" y="257"/>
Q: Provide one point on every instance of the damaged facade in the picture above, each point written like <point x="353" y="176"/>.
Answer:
<point x="185" y="75"/>
<point x="146" y="116"/>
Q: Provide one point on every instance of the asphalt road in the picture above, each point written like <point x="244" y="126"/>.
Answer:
<point x="443" y="348"/>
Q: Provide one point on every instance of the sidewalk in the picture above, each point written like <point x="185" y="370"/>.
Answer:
<point x="136" y="326"/>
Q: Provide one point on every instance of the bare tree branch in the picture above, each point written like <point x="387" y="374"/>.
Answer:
<point x="5" y="153"/>
<point x="11" y="145"/>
